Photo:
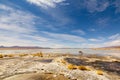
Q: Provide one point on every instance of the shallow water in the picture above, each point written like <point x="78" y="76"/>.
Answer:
<point x="72" y="51"/>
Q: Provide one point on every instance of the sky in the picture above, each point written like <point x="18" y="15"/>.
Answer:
<point x="60" y="23"/>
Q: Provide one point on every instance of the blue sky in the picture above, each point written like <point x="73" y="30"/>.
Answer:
<point x="60" y="23"/>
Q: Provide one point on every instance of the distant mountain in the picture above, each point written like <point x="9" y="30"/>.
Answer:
<point x="108" y="48"/>
<point x="112" y="47"/>
<point x="23" y="47"/>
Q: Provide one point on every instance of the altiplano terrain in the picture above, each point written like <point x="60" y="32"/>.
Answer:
<point x="41" y="66"/>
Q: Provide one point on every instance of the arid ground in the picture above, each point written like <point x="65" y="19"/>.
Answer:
<point x="40" y="66"/>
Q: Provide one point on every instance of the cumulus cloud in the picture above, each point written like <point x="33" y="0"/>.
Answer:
<point x="45" y="3"/>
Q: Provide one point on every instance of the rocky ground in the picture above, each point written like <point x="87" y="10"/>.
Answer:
<point x="67" y="67"/>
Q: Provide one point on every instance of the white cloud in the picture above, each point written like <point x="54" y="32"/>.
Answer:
<point x="17" y="28"/>
<point x="66" y="37"/>
<point x="79" y="31"/>
<point x="46" y="3"/>
<point x="112" y="43"/>
<point x="99" y="39"/>
<point x="4" y="7"/>
<point x="90" y="45"/>
<point x="16" y="39"/>
<point x="113" y="40"/>
<point x="9" y="39"/>
<point x="96" y="5"/>
<point x="57" y="15"/>
<point x="16" y="20"/>
<point x="115" y="36"/>
<point x="94" y="40"/>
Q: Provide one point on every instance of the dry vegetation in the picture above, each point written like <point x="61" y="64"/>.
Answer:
<point x="22" y="55"/>
<point x="9" y="55"/>
<point x="38" y="54"/>
<point x="64" y="62"/>
<point x="6" y="55"/>
<point x="72" y="67"/>
<point x="99" y="72"/>
<point x="83" y="68"/>
<point x="1" y="56"/>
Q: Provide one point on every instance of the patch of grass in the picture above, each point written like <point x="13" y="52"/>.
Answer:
<point x="38" y="54"/>
<point x="1" y="56"/>
<point x="5" y="55"/>
<point x="63" y="61"/>
<point x="99" y="72"/>
<point x="9" y="55"/>
<point x="72" y="67"/>
<point x="22" y="55"/>
<point x="83" y="68"/>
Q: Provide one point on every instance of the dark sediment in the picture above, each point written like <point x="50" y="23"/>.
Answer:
<point x="108" y="66"/>
<point x="104" y="65"/>
<point x="76" y="61"/>
<point x="45" y="60"/>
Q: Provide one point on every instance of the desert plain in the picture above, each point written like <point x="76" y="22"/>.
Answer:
<point x="47" y="66"/>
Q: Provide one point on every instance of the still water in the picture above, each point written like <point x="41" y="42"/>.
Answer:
<point x="72" y="51"/>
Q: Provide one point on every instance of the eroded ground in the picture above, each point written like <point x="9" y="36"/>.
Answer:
<point x="61" y="67"/>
